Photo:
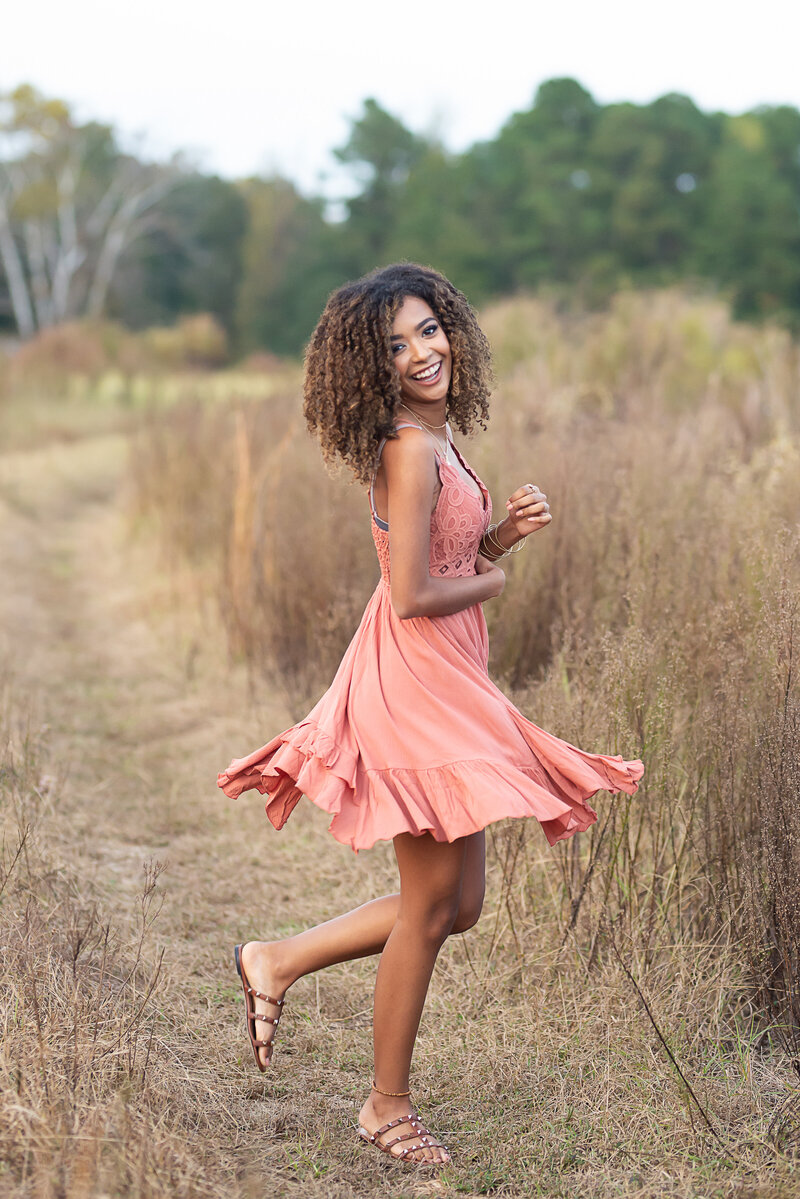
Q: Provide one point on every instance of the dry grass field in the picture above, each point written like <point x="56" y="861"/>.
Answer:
<point x="625" y="1019"/>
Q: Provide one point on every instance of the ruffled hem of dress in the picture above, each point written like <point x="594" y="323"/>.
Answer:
<point x="450" y="800"/>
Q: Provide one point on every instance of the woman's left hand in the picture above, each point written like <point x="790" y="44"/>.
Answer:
<point x="528" y="509"/>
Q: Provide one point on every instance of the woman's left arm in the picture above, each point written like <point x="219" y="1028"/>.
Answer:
<point x="528" y="511"/>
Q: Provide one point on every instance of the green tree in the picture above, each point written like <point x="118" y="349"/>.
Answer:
<point x="289" y="266"/>
<point x="189" y="259"/>
<point x="751" y="238"/>
<point x="382" y="153"/>
<point x="431" y="226"/>
<point x="529" y="191"/>
<point x="652" y="165"/>
<point x="569" y="192"/>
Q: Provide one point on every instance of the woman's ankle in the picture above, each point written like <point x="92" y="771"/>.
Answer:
<point x="273" y="958"/>
<point x="388" y="1106"/>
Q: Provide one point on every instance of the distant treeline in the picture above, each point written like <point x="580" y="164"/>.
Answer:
<point x="571" y="194"/>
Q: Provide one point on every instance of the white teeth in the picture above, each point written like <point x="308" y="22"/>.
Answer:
<point x="426" y="374"/>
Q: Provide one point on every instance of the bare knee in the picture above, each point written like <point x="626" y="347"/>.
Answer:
<point x="433" y="921"/>
<point x="469" y="910"/>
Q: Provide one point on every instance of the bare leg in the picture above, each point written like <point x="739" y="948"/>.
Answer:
<point x="431" y="877"/>
<point x="272" y="966"/>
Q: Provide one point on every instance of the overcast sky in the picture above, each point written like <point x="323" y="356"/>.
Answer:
<point x="254" y="86"/>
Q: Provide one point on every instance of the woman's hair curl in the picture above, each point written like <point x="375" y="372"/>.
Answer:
<point x="352" y="387"/>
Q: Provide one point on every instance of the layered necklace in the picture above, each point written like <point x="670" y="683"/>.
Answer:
<point x="423" y="424"/>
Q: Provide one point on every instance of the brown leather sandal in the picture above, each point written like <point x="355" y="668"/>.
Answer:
<point x="420" y="1133"/>
<point x="251" y="1015"/>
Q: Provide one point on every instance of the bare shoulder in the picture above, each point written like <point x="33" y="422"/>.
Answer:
<point x="410" y="452"/>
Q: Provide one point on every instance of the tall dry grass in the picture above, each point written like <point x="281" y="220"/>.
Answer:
<point x="658" y="616"/>
<point x="86" y="379"/>
<point x="87" y="1082"/>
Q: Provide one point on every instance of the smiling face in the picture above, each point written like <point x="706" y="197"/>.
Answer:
<point x="421" y="352"/>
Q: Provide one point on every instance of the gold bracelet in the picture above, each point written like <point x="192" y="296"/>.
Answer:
<point x="499" y="550"/>
<point x="495" y="543"/>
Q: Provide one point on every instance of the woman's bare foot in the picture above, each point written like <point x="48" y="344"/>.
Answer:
<point x="382" y="1109"/>
<point x="261" y="962"/>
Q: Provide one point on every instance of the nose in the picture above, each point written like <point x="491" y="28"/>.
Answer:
<point x="419" y="350"/>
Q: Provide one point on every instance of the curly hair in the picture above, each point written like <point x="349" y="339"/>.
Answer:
<point x="352" y="387"/>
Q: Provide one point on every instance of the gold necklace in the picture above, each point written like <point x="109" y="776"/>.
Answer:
<point x="421" y="423"/>
<point x="420" y="419"/>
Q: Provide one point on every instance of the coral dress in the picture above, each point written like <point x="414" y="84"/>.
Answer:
<point x="412" y="736"/>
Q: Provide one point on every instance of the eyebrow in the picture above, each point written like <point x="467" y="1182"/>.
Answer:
<point x="427" y="321"/>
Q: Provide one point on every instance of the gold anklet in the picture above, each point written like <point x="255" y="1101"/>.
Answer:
<point x="392" y="1094"/>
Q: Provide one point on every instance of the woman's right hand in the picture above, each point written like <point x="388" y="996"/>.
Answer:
<point x="498" y="580"/>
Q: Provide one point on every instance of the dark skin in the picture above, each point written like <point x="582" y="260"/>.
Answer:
<point x="441" y="883"/>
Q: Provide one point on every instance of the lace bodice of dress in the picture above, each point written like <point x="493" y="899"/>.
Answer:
<point x="458" y="522"/>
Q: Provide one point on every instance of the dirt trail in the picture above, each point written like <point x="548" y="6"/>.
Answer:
<point x="142" y="709"/>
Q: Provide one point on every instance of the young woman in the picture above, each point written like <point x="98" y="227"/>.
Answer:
<point x="412" y="742"/>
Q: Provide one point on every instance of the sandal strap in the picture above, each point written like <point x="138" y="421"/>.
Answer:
<point x="266" y="998"/>
<point x="410" y="1118"/>
<point x="409" y="1149"/>
<point x="264" y="1019"/>
<point x="419" y="1133"/>
<point x="428" y="1141"/>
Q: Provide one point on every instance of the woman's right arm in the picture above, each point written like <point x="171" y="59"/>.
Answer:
<point x="410" y="466"/>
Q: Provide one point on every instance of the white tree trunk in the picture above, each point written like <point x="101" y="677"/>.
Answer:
<point x="43" y="268"/>
<point x="119" y="234"/>
<point x="37" y="271"/>
<point x="15" y="275"/>
<point x="71" y="253"/>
